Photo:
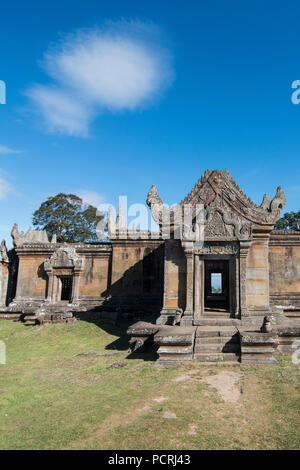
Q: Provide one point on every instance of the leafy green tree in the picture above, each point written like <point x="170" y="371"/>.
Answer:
<point x="290" y="221"/>
<point x="73" y="221"/>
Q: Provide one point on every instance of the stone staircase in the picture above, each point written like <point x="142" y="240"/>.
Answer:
<point x="217" y="339"/>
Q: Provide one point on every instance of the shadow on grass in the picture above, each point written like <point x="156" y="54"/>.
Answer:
<point x="121" y="343"/>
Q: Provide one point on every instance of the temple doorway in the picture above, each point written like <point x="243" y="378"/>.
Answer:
<point x="66" y="288"/>
<point x="216" y="289"/>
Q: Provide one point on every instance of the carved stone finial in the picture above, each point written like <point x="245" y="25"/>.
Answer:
<point x="15" y="234"/>
<point x="121" y="225"/>
<point x="111" y="222"/>
<point x="266" y="203"/>
<point x="277" y="203"/>
<point x="54" y="238"/>
<point x="31" y="236"/>
<point x="153" y="197"/>
<point x="3" y="252"/>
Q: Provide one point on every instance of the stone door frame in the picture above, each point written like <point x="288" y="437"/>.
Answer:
<point x="199" y="283"/>
<point x="64" y="261"/>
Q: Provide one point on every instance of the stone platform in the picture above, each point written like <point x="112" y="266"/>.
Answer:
<point x="231" y="341"/>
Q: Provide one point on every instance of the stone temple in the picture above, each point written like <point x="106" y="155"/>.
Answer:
<point x="232" y="294"/>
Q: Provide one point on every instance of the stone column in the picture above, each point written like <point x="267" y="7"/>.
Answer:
<point x="199" y="289"/>
<point x="187" y="318"/>
<point x="244" y="248"/>
<point x="3" y="282"/>
<point x="55" y="289"/>
<point x="50" y="286"/>
<point x="75" y="287"/>
<point x="237" y="287"/>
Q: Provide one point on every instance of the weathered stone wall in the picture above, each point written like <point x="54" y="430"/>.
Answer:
<point x="4" y="273"/>
<point x="136" y="275"/>
<point x="94" y="278"/>
<point x="175" y="275"/>
<point x="32" y="279"/>
<point x="284" y="263"/>
<point x="257" y="276"/>
<point x="125" y="274"/>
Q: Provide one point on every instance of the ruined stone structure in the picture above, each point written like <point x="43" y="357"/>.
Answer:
<point x="170" y="276"/>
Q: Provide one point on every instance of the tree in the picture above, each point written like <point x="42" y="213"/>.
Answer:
<point x="70" y="219"/>
<point x="290" y="221"/>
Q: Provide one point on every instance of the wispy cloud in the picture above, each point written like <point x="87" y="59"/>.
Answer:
<point x="8" y="151"/>
<point x="91" y="197"/>
<point x="5" y="187"/>
<point x="121" y="67"/>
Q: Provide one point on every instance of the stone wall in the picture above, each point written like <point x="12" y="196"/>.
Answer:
<point x="284" y="267"/>
<point x="126" y="275"/>
<point x="175" y="275"/>
<point x="32" y="279"/>
<point x="137" y="273"/>
<point x="257" y="275"/>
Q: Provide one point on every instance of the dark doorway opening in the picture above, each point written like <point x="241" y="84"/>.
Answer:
<point x="216" y="294"/>
<point x="66" y="288"/>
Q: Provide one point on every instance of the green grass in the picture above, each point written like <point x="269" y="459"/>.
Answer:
<point x="51" y="399"/>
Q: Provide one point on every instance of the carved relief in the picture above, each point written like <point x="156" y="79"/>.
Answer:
<point x="31" y="236"/>
<point x="64" y="257"/>
<point x="219" y="249"/>
<point x="229" y="213"/>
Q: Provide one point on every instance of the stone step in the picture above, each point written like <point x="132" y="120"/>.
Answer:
<point x="217" y="339"/>
<point x="217" y="322"/>
<point x="208" y="330"/>
<point x="216" y="357"/>
<point x="224" y="348"/>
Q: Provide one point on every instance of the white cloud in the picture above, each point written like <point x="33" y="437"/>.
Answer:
<point x="61" y="111"/>
<point x="5" y="187"/>
<point x="91" y="197"/>
<point x="123" y="66"/>
<point x="8" y="151"/>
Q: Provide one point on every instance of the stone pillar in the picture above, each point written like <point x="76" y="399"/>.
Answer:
<point x="244" y="248"/>
<point x="237" y="287"/>
<point x="199" y="289"/>
<point x="188" y="315"/>
<point x="75" y="286"/>
<point x="50" y="286"/>
<point x="55" y="289"/>
<point x="3" y="282"/>
<point x="174" y="273"/>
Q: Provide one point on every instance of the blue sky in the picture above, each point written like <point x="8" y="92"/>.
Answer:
<point x="106" y="98"/>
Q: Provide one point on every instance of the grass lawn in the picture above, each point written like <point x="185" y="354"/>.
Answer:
<point x="53" y="396"/>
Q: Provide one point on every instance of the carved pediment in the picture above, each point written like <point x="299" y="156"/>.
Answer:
<point x="216" y="228"/>
<point x="219" y="185"/>
<point x="228" y="212"/>
<point x="64" y="257"/>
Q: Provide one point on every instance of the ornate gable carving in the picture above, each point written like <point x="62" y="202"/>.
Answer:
<point x="216" y="228"/>
<point x="228" y="213"/>
<point x="64" y="257"/>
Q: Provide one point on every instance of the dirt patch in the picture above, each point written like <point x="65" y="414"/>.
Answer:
<point x="117" y="365"/>
<point x="160" y="399"/>
<point x="184" y="377"/>
<point x="226" y="383"/>
<point x="169" y="415"/>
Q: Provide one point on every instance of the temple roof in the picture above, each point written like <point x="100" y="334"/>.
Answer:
<point x="217" y="191"/>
